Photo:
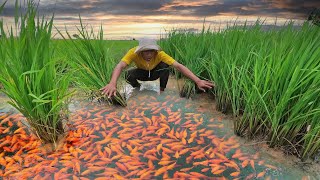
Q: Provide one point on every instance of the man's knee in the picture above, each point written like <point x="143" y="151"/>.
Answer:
<point x="131" y="77"/>
<point x="130" y="73"/>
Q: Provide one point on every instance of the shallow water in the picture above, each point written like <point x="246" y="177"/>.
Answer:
<point x="157" y="136"/>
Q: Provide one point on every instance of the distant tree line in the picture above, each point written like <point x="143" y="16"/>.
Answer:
<point x="314" y="17"/>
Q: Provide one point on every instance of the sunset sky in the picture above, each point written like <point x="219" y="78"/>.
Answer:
<point x="127" y="19"/>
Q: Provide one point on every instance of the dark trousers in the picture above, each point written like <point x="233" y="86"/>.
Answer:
<point x="160" y="71"/>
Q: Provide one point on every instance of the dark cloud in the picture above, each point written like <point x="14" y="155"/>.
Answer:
<point x="296" y="9"/>
<point x="108" y="7"/>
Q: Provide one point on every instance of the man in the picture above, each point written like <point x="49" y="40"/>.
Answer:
<point x="152" y="63"/>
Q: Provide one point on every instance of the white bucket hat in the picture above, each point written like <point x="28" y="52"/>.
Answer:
<point x="147" y="44"/>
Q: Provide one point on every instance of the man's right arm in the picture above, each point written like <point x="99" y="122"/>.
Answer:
<point x="111" y="88"/>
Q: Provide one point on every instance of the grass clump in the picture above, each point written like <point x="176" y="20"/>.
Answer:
<point x="93" y="62"/>
<point x="30" y="74"/>
<point x="190" y="49"/>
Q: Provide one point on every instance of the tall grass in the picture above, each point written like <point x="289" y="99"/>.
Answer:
<point x="269" y="80"/>
<point x="279" y="86"/>
<point x="230" y="56"/>
<point x="90" y="56"/>
<point x="2" y="49"/>
<point x="190" y="49"/>
<point x="30" y="77"/>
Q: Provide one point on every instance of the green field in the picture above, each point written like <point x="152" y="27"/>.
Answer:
<point x="118" y="48"/>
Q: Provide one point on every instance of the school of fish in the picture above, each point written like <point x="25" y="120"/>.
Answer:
<point x="149" y="139"/>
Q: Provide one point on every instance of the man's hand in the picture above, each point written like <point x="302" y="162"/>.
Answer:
<point x="202" y="84"/>
<point x="109" y="90"/>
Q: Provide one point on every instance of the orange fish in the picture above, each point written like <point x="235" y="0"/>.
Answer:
<point x="261" y="162"/>
<point x="161" y="131"/>
<point x="151" y="157"/>
<point x="245" y="163"/>
<point x="86" y="172"/>
<point x="122" y="167"/>
<point x="270" y="166"/>
<point x="205" y="169"/>
<point x="181" y="174"/>
<point x="184" y="141"/>
<point x="165" y="125"/>
<point x="232" y="165"/>
<point x="150" y="164"/>
<point x="237" y="154"/>
<point x="95" y="168"/>
<point x="118" y="177"/>
<point x="171" y="166"/>
<point x="145" y="174"/>
<point x="196" y="174"/>
<point x="132" y="173"/>
<point x="54" y="162"/>
<point x="189" y="159"/>
<point x="177" y="155"/>
<point x="178" y="121"/>
<point x="204" y="163"/>
<point x="163" y="163"/>
<point x="252" y="164"/>
<point x="234" y="174"/>
<point x="184" y="151"/>
<point x="19" y="130"/>
<point x="261" y="174"/>
<point x="190" y="140"/>
<point x="151" y="152"/>
<point x="77" y="166"/>
<point x="167" y="150"/>
<point x="185" y="169"/>
<point x="215" y="168"/>
<point x="108" y="150"/>
<point x="159" y="147"/>
<point x="218" y="171"/>
<point x="161" y="171"/>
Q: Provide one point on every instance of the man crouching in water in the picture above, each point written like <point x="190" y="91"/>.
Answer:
<point x="152" y="63"/>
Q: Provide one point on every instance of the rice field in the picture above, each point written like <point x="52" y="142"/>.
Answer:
<point x="266" y="89"/>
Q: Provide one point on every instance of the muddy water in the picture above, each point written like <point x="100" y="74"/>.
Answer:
<point x="157" y="136"/>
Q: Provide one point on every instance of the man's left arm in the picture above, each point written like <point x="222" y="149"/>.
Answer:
<point x="202" y="84"/>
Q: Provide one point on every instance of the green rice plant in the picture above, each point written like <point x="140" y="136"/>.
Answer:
<point x="281" y="91"/>
<point x="189" y="49"/>
<point x="297" y="103"/>
<point x="230" y="53"/>
<point x="188" y="89"/>
<point x="270" y="83"/>
<point x="2" y="53"/>
<point x="167" y="43"/>
<point x="30" y="77"/>
<point x="93" y="62"/>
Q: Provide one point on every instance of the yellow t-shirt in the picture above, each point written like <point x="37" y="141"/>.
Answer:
<point x="143" y="64"/>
